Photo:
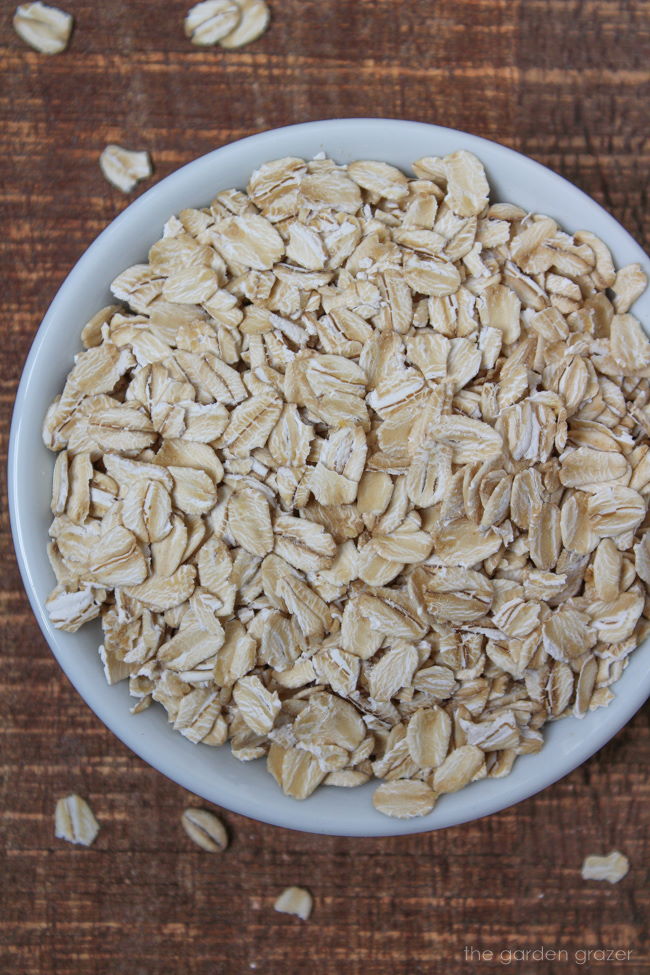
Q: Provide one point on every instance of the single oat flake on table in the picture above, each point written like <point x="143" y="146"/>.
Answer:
<point x="124" y="168"/>
<point x="205" y="829"/>
<point x="355" y="473"/>
<point x="255" y="18"/>
<point x="295" y="900"/>
<point x="230" y="23"/>
<point x="46" y="29"/>
<point x="612" y="867"/>
<point x="74" y="821"/>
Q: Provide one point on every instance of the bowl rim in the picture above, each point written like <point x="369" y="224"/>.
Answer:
<point x="636" y="691"/>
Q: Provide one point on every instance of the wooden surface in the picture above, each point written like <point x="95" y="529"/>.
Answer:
<point x="565" y="81"/>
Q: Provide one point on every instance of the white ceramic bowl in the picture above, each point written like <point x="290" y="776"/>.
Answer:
<point x="209" y="772"/>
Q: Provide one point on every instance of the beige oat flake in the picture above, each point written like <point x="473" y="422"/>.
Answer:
<point x="295" y="900"/>
<point x="208" y="22"/>
<point x="205" y="829"/>
<point x="124" y="167"/>
<point x="74" y="821"/>
<point x="255" y="17"/>
<point x="47" y="29"/>
<point x="404" y="799"/>
<point x="612" y="867"/>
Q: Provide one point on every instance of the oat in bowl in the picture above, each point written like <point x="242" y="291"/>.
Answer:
<point x="356" y="476"/>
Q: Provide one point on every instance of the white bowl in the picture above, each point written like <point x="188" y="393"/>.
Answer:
<point x="214" y="773"/>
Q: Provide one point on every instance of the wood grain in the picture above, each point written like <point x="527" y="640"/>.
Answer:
<point x="565" y="81"/>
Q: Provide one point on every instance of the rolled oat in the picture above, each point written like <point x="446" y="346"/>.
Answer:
<point x="295" y="900"/>
<point x="46" y="29"/>
<point x="74" y="821"/>
<point x="124" y="167"/>
<point x="612" y="867"/>
<point x="205" y="829"/>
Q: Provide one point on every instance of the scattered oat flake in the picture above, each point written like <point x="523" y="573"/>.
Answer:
<point x="205" y="829"/>
<point x="255" y="17"/>
<point x="74" y="821"/>
<point x="208" y="22"/>
<point x="124" y="167"/>
<point x="295" y="900"/>
<point x="612" y="867"/>
<point x="46" y="29"/>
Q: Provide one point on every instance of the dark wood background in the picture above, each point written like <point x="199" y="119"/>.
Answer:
<point x="565" y="81"/>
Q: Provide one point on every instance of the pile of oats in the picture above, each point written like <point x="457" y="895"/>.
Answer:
<point x="356" y="475"/>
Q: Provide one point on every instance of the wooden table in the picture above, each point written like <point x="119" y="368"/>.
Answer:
<point x="565" y="81"/>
